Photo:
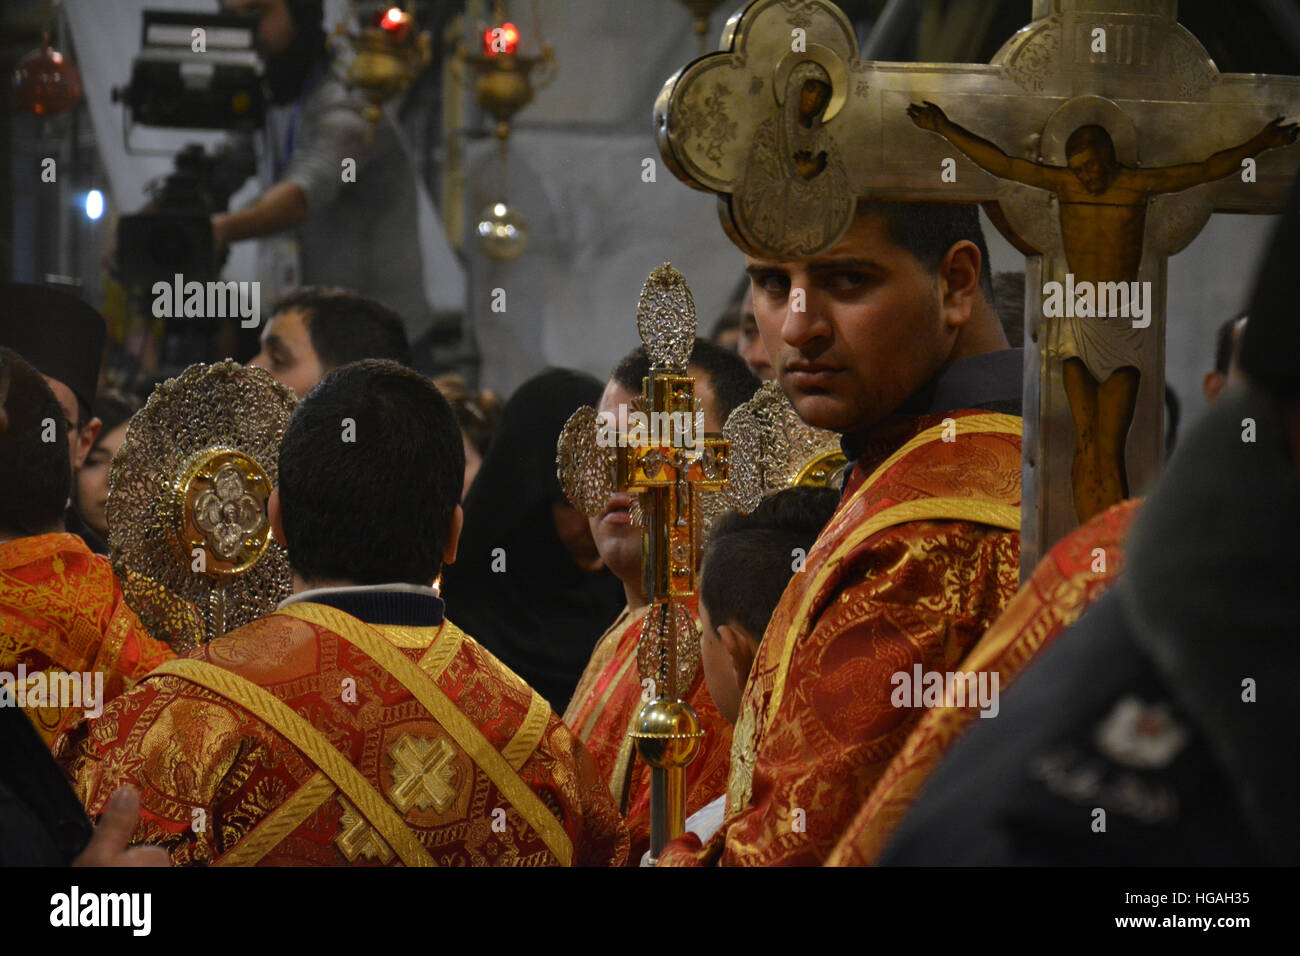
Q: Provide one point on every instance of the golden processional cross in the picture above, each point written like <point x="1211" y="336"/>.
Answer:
<point x="1099" y="141"/>
<point x="674" y="472"/>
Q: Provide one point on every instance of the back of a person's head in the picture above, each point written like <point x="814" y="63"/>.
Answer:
<point x="928" y="230"/>
<point x="35" y="474"/>
<point x="749" y="559"/>
<point x="371" y="468"/>
<point x="733" y="383"/>
<point x="346" y="327"/>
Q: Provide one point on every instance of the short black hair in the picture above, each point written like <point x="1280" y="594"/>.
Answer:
<point x="346" y="327"/>
<point x="377" y="508"/>
<point x="733" y="383"/>
<point x="1223" y="344"/>
<point x="749" y="558"/>
<point x="929" y="229"/>
<point x="35" y="474"/>
<point x="1270" y="341"/>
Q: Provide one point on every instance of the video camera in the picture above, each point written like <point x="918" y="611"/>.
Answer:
<point x="198" y="71"/>
<point x="175" y="235"/>
<point x="194" y="71"/>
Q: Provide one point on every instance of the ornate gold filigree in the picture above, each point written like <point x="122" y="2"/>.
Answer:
<point x="584" y="466"/>
<point x="669" y="627"/>
<point x="189" y="535"/>
<point x="665" y="318"/>
<point x="773" y="448"/>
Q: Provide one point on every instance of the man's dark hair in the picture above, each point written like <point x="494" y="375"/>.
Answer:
<point x="929" y="229"/>
<point x="749" y="558"/>
<point x="35" y="475"/>
<point x="1223" y="344"/>
<point x="728" y="321"/>
<point x="378" y="508"/>
<point x="733" y="383"/>
<point x="1269" y="353"/>
<point x="346" y="327"/>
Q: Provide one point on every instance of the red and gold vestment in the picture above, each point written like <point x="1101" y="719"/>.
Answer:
<point x="919" y="559"/>
<point x="1077" y="571"/>
<point x="61" y="611"/>
<point x="607" y="700"/>
<point x="309" y="737"/>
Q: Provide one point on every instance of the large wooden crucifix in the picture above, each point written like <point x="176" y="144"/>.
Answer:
<point x="1099" y="140"/>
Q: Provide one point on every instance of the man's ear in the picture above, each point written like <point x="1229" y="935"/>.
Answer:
<point x="86" y="440"/>
<point x="960" y="275"/>
<point x="453" y="536"/>
<point x="1213" y="384"/>
<point x="276" y="517"/>
<point x="740" y="647"/>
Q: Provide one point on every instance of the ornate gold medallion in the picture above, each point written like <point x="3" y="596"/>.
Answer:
<point x="221" y="507"/>
<point x="773" y="448"/>
<point x="188" y="531"/>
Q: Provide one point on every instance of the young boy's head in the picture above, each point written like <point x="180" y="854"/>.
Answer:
<point x="747" y="563"/>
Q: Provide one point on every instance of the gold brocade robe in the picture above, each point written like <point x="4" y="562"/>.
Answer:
<point x="1077" y="571"/>
<point x="918" y="560"/>
<point x="62" y="613"/>
<point x="604" y="706"/>
<point x="311" y="738"/>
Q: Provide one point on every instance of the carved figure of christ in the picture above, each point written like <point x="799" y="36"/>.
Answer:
<point x="1103" y="220"/>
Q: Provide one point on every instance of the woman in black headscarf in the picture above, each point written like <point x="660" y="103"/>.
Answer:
<point x="542" y="600"/>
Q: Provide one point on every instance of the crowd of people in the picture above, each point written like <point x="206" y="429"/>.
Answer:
<point x="453" y="675"/>
<point x="246" y="751"/>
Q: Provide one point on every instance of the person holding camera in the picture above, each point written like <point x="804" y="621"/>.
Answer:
<point x="349" y="203"/>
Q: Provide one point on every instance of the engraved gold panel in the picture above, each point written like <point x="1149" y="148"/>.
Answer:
<point x="219" y="504"/>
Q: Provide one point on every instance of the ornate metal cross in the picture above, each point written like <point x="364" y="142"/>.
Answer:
<point x="674" y="471"/>
<point x="1099" y="140"/>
